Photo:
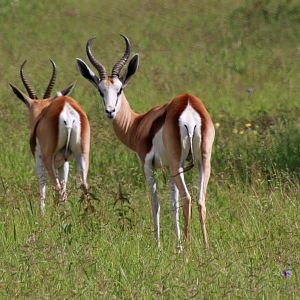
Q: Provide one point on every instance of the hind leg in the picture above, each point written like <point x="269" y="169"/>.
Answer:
<point x="178" y="177"/>
<point x="172" y="142"/>
<point x="201" y="201"/>
<point x="83" y="166"/>
<point x="63" y="173"/>
<point x="204" y="174"/>
<point x="175" y="209"/>
<point x="41" y="173"/>
<point x="49" y="165"/>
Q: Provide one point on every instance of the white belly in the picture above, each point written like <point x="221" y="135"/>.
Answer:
<point x="158" y="151"/>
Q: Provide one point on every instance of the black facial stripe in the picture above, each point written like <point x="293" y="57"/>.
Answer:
<point x="119" y="92"/>
<point x="101" y="93"/>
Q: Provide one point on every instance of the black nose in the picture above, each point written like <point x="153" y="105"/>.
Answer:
<point x="110" y="112"/>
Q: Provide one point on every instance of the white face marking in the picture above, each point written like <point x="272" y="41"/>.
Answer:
<point x="111" y="91"/>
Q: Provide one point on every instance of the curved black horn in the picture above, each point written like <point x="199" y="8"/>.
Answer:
<point x="100" y="68"/>
<point x="51" y="82"/>
<point x="120" y="64"/>
<point x="27" y="85"/>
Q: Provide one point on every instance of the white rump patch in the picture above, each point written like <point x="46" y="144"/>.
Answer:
<point x="190" y="130"/>
<point x="69" y="123"/>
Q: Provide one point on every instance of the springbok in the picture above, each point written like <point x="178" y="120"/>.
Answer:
<point x="59" y="127"/>
<point x="166" y="135"/>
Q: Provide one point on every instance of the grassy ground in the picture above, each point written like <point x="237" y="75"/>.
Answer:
<point x="242" y="59"/>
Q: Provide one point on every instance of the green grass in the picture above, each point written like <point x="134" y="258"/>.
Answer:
<point x="217" y="51"/>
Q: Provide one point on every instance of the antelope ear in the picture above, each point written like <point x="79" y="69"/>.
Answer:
<point x="21" y="95"/>
<point x="87" y="73"/>
<point x="67" y="91"/>
<point x="131" y="69"/>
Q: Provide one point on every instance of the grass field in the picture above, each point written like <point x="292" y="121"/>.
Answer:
<point x="242" y="58"/>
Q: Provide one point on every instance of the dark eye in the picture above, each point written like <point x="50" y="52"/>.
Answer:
<point x="119" y="92"/>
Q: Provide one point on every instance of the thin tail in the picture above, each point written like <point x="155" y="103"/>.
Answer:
<point x="191" y="153"/>
<point x="69" y="129"/>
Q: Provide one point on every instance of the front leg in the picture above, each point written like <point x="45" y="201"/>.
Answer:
<point x="149" y="174"/>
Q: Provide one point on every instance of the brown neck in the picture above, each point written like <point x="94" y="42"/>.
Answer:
<point x="35" y="111"/>
<point x="125" y="124"/>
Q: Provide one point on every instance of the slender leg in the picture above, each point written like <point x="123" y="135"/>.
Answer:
<point x="204" y="174"/>
<point x="82" y="163"/>
<point x="49" y="165"/>
<point x="148" y="171"/>
<point x="201" y="203"/>
<point x="63" y="173"/>
<point x="41" y="173"/>
<point x="172" y="138"/>
<point x="175" y="209"/>
<point x="185" y="196"/>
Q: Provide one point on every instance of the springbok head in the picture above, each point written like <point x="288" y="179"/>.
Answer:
<point x="111" y="86"/>
<point x="35" y="104"/>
